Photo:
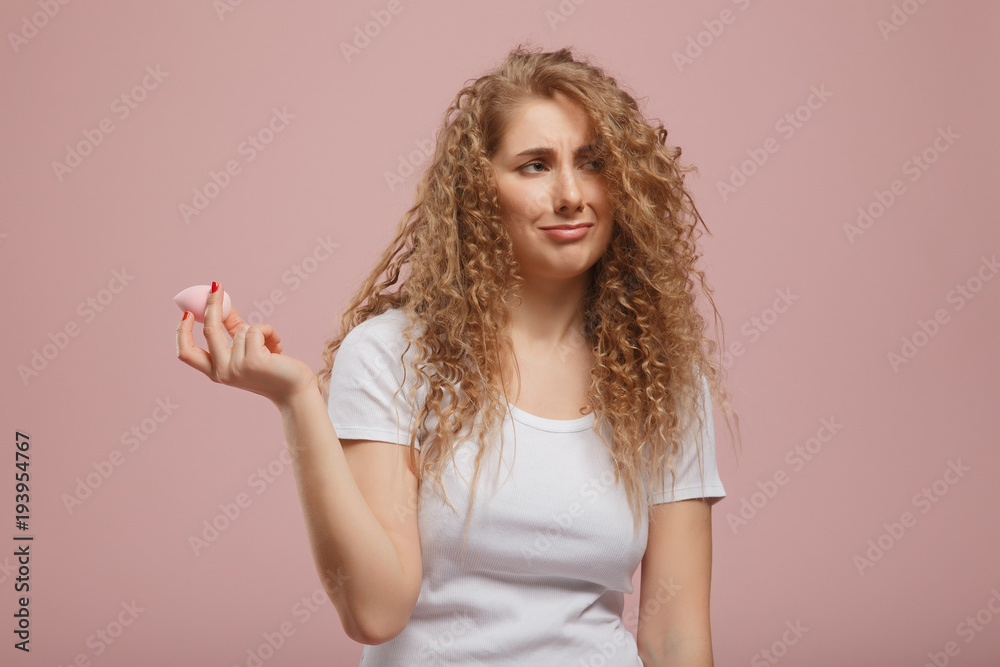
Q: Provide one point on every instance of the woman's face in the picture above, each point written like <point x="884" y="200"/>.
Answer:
<point x="547" y="177"/>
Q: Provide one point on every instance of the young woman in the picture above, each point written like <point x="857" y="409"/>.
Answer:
<point x="549" y="304"/>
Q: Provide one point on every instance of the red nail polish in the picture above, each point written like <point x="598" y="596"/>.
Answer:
<point x="185" y="316"/>
<point x="215" y="287"/>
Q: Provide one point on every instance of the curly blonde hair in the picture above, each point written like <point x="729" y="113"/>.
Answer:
<point x="639" y="311"/>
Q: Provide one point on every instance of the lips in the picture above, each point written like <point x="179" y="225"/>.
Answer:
<point x="579" y="226"/>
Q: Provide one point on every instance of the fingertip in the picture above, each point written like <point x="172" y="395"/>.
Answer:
<point x="214" y="297"/>
<point x="214" y="293"/>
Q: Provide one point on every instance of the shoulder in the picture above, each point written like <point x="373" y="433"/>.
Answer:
<point x="383" y="330"/>
<point x="380" y="341"/>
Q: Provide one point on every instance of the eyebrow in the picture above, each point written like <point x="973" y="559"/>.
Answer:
<point x="547" y="151"/>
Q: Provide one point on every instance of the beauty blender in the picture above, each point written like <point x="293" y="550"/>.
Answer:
<point x="195" y="300"/>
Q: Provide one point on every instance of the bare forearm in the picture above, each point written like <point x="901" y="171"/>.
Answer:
<point x="686" y="652"/>
<point x="358" y="563"/>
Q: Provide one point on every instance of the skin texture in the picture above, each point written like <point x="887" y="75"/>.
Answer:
<point x="674" y="620"/>
<point x="253" y="361"/>
<point x="535" y="192"/>
<point x="538" y="191"/>
<point x="368" y="560"/>
<point x="348" y="531"/>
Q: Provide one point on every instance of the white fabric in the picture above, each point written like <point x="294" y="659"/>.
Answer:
<point x="549" y="555"/>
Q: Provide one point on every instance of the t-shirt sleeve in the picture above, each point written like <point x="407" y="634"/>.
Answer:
<point x="695" y="478"/>
<point x="367" y="372"/>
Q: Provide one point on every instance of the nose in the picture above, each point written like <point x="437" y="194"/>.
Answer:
<point x="568" y="196"/>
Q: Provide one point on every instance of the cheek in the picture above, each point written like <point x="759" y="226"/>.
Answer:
<point x="526" y="203"/>
<point x="514" y="226"/>
<point x="602" y="197"/>
<point x="535" y="203"/>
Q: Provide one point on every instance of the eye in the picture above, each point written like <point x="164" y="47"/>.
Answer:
<point x="532" y="164"/>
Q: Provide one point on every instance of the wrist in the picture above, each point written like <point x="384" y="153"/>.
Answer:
<point x="296" y="399"/>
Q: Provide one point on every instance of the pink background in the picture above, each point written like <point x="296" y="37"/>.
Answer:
<point x="827" y="356"/>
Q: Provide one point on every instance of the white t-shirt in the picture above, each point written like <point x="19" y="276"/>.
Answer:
<point x="551" y="547"/>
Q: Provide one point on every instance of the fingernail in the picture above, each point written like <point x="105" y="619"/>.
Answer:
<point x="215" y="287"/>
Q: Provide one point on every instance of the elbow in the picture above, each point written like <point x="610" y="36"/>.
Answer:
<point x="371" y="639"/>
<point x="357" y="628"/>
<point x="378" y="617"/>
<point x="382" y="620"/>
<point x="375" y="629"/>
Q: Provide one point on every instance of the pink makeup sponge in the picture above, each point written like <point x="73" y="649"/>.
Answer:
<point x="195" y="299"/>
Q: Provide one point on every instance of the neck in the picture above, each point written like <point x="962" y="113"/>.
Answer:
<point x="548" y="314"/>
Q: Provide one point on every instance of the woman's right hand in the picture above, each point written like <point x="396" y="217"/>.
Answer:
<point x="253" y="362"/>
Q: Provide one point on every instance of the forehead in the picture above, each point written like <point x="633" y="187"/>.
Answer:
<point x="546" y="122"/>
